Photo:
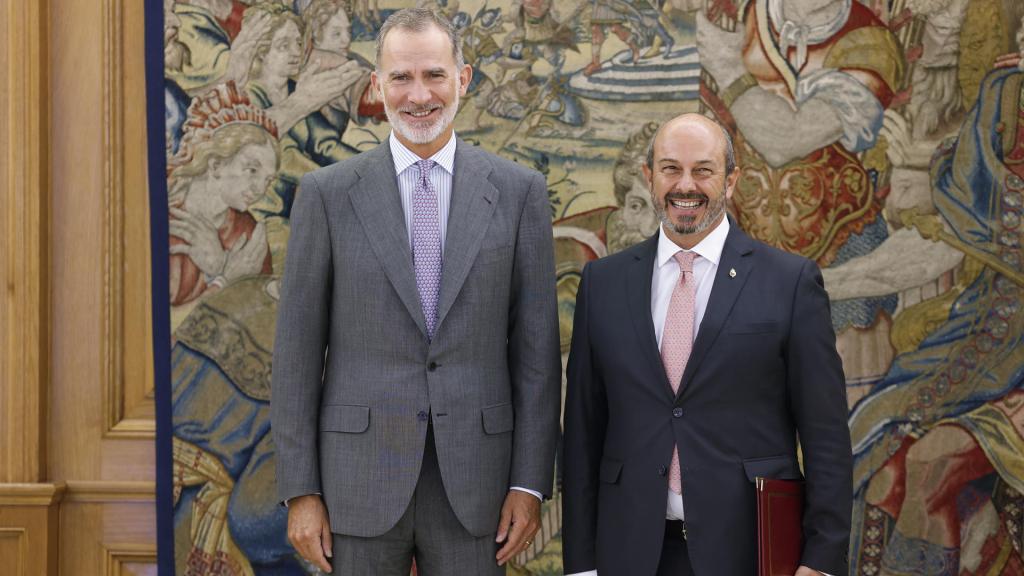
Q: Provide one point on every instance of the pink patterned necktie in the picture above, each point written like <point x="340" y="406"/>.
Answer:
<point x="426" y="244"/>
<point x="677" y="341"/>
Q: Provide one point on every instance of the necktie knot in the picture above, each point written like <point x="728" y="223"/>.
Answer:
<point x="425" y="166"/>
<point x="685" y="260"/>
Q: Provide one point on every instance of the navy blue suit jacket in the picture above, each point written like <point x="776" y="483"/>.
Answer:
<point x="763" y="369"/>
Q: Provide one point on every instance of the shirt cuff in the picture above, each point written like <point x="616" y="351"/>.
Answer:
<point x="587" y="573"/>
<point x="528" y="491"/>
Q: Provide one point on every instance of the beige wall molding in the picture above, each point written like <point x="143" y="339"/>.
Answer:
<point x="31" y="494"/>
<point x="128" y="386"/>
<point x="29" y="528"/>
<point x="109" y="491"/>
<point x="24" y="240"/>
<point x="124" y="559"/>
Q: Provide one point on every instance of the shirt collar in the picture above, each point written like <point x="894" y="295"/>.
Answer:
<point x="710" y="248"/>
<point x="445" y="157"/>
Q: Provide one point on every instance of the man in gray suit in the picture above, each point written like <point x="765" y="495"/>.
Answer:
<point x="416" y="370"/>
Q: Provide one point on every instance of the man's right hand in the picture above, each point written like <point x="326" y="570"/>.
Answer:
<point x="309" y="530"/>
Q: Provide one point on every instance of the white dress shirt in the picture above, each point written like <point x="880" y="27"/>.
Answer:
<point x="666" y="275"/>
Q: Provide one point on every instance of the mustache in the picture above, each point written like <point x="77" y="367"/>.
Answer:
<point x="686" y="196"/>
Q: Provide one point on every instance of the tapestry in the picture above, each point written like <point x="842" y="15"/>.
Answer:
<point x="883" y="139"/>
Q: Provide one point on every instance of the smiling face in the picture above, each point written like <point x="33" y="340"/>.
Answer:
<point x="284" y="58"/>
<point x="688" y="182"/>
<point x="243" y="179"/>
<point x="420" y="84"/>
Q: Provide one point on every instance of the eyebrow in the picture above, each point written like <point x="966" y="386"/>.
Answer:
<point x="704" y="162"/>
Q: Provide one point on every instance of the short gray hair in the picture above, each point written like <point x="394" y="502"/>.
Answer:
<point x="730" y="152"/>
<point x="418" y="20"/>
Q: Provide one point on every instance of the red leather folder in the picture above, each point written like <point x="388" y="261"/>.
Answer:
<point x="780" y="505"/>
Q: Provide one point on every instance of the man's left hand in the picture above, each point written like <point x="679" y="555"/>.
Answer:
<point x="805" y="571"/>
<point x="520" y="520"/>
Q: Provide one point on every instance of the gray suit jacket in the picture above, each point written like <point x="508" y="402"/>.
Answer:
<point x="355" y="376"/>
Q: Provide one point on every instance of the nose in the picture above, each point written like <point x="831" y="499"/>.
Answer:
<point x="419" y="93"/>
<point x="686" y="182"/>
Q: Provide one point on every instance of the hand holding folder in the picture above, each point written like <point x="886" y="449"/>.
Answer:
<point x="780" y="506"/>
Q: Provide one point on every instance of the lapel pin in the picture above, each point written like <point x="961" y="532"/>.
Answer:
<point x="732" y="272"/>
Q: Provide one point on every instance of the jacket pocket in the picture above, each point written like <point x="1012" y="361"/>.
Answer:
<point x="344" y="418"/>
<point x="776" y="467"/>
<point x="498" y="418"/>
<point x="610" y="471"/>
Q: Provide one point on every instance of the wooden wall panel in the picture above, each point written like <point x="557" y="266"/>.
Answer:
<point x="75" y="338"/>
<point x="29" y="528"/>
<point x="127" y="360"/>
<point x="14" y="549"/>
<point x="102" y="394"/>
<point x="109" y="536"/>
<point x="28" y="505"/>
<point x="130" y="560"/>
<point x="78" y="265"/>
<point x="103" y="381"/>
<point x="24" y="240"/>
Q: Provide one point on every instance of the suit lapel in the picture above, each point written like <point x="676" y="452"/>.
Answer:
<point x="472" y="204"/>
<point x="638" y="294"/>
<point x="378" y="205"/>
<point x="725" y="290"/>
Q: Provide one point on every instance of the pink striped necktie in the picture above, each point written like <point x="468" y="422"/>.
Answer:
<point x="426" y="244"/>
<point x="677" y="341"/>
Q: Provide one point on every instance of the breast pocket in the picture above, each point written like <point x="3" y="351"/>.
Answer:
<point x="491" y="254"/>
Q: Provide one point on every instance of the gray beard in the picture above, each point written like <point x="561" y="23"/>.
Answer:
<point x="423" y="135"/>
<point x="715" y="209"/>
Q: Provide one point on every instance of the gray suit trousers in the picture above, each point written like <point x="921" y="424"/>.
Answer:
<point x="428" y="531"/>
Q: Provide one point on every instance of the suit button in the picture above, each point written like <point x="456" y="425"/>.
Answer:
<point x="422" y="416"/>
<point x="432" y="366"/>
<point x="677" y="412"/>
<point x="663" y="470"/>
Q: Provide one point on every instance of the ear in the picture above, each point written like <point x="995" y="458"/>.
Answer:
<point x="648" y="177"/>
<point x="465" y="75"/>
<point x="730" y="182"/>
<point x="376" y="84"/>
<point x="215" y="164"/>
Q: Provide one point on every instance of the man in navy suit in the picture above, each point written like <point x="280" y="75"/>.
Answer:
<point x="699" y="356"/>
